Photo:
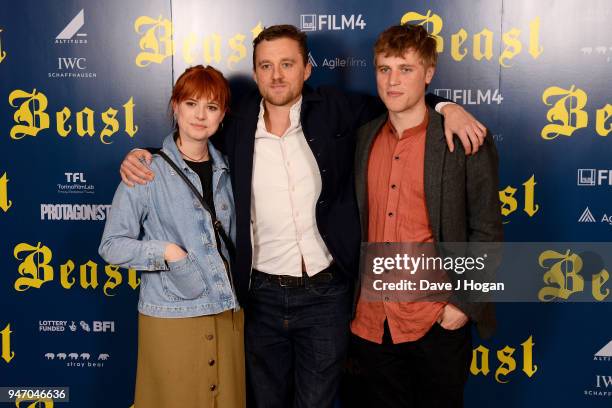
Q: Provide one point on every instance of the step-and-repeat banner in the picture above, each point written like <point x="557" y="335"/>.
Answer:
<point x="83" y="82"/>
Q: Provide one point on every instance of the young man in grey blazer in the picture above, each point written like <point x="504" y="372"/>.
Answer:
<point x="411" y="188"/>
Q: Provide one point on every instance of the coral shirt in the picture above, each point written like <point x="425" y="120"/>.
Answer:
<point x="397" y="213"/>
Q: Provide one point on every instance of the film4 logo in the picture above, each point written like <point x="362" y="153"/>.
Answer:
<point x="5" y="203"/>
<point x="5" y="340"/>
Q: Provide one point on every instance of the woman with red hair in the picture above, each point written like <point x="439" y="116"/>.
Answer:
<point x="178" y="230"/>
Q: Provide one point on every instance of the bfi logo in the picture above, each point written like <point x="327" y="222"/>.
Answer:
<point x="103" y="326"/>
<point x="75" y="178"/>
<point x="594" y="177"/>
<point x="71" y="63"/>
<point x="331" y="22"/>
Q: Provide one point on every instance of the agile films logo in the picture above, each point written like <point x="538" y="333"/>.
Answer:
<point x="337" y="62"/>
<point x="331" y="22"/>
<point x="72" y="66"/>
<point x="588" y="217"/>
<point x="602" y="383"/>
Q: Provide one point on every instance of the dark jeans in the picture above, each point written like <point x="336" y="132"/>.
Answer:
<point x="428" y="373"/>
<point x="296" y="341"/>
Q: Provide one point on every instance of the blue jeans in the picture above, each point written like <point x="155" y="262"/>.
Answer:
<point x="296" y="341"/>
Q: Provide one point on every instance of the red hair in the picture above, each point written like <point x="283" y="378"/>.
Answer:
<point x="200" y="81"/>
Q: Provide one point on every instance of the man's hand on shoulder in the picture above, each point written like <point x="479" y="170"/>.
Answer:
<point x="458" y="121"/>
<point x="135" y="168"/>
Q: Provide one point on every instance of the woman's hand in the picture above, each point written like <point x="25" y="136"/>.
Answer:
<point x="174" y="253"/>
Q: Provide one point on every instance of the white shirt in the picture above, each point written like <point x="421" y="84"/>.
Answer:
<point x="285" y="187"/>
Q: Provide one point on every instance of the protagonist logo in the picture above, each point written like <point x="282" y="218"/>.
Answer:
<point x="156" y="44"/>
<point x="563" y="277"/>
<point x="2" y="52"/>
<point x="5" y="340"/>
<point x="35" y="270"/>
<point x="31" y="117"/>
<point x="505" y="356"/>
<point x="567" y="114"/>
<point x="5" y="203"/>
<point x="482" y="42"/>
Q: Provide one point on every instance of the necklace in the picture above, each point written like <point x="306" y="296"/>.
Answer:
<point x="203" y="158"/>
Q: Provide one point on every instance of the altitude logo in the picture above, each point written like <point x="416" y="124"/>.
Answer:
<point x="331" y="22"/>
<point x="70" y="34"/>
<point x="605" y="354"/>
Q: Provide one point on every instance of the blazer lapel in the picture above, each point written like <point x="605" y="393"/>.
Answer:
<point x="365" y="137"/>
<point x="435" y="151"/>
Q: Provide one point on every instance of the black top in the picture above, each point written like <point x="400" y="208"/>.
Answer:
<point x="204" y="171"/>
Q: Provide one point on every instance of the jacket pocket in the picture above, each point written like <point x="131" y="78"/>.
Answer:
<point x="183" y="281"/>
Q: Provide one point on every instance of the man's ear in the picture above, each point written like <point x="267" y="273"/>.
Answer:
<point x="429" y="73"/>
<point x="307" y="71"/>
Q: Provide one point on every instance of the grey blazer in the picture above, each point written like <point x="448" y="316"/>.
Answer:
<point x="461" y="195"/>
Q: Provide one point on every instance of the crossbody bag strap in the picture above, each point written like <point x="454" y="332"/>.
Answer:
<point x="217" y="226"/>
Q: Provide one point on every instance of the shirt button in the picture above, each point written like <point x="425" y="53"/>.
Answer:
<point x="209" y="337"/>
<point x="213" y="387"/>
<point x="323" y="170"/>
<point x="396" y="157"/>
<point x="393" y="186"/>
<point x="211" y="362"/>
<point x="390" y="214"/>
<point x="224" y="206"/>
<point x="386" y="298"/>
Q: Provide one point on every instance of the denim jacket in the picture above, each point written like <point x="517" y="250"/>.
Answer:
<point x="145" y="218"/>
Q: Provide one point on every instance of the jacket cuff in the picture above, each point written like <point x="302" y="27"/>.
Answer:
<point x="155" y="255"/>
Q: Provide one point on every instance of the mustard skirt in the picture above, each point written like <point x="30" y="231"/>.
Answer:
<point x="195" y="362"/>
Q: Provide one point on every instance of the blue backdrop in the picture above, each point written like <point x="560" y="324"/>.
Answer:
<point x="83" y="82"/>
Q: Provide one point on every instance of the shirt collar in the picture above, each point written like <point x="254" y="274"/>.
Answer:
<point x="294" y="118"/>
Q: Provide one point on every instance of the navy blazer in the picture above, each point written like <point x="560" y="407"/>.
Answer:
<point x="330" y="119"/>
